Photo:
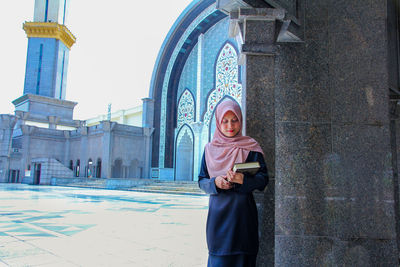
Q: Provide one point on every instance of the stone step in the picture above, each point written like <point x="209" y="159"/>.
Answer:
<point x="172" y="188"/>
<point x="156" y="186"/>
<point x="166" y="191"/>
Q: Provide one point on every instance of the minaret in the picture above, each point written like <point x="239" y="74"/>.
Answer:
<point x="48" y="49"/>
<point x="49" y="42"/>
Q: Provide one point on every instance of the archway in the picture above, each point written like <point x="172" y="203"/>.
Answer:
<point x="36" y="177"/>
<point x="117" y="169"/>
<point x="77" y="168"/>
<point x="98" y="168"/>
<point x="184" y="155"/>
<point x="90" y="168"/>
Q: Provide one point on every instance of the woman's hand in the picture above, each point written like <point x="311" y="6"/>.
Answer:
<point x="235" y="177"/>
<point x="222" y="183"/>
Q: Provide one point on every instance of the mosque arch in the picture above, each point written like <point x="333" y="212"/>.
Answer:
<point x="186" y="108"/>
<point x="184" y="154"/>
<point x="227" y="82"/>
<point x="196" y="20"/>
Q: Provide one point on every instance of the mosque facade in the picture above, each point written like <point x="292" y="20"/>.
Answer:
<point x="42" y="140"/>
<point x="318" y="82"/>
<point x="197" y="67"/>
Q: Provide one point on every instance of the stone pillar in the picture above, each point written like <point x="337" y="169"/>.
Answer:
<point x="83" y="153"/>
<point x="334" y="190"/>
<point x="198" y="148"/>
<point x="27" y="131"/>
<point x="53" y="121"/>
<point x="334" y="179"/>
<point x="199" y="83"/>
<point x="148" y="135"/>
<point x="254" y="29"/>
<point x="67" y="148"/>
<point x="395" y="145"/>
<point x="7" y="123"/>
<point x="107" y="149"/>
<point x="148" y="112"/>
<point x="259" y="33"/>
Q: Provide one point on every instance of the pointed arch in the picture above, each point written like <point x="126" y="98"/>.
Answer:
<point x="184" y="154"/>
<point x="226" y="80"/>
<point x="186" y="108"/>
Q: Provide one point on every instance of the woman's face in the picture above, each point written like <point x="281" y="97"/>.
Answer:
<point x="230" y="124"/>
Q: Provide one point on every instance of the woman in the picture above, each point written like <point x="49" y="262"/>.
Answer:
<point x="232" y="222"/>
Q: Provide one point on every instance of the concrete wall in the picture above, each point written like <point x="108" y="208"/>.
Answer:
<point x="127" y="143"/>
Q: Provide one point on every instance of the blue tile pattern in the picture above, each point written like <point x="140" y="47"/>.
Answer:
<point x="61" y="226"/>
<point x="28" y="223"/>
<point x="189" y="74"/>
<point x="186" y="109"/>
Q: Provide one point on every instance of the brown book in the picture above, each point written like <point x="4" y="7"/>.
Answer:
<point x="247" y="167"/>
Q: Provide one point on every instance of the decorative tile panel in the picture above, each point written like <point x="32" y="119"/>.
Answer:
<point x="227" y="84"/>
<point x="185" y="109"/>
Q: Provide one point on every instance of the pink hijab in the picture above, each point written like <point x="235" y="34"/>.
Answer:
<point x="223" y="152"/>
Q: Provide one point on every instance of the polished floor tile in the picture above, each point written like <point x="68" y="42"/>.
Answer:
<point x="60" y="226"/>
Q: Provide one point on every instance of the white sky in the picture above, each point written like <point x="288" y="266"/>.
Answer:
<point x="112" y="60"/>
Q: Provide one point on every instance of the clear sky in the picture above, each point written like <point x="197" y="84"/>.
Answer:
<point x="112" y="60"/>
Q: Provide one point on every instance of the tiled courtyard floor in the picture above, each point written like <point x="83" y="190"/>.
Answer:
<point x="60" y="226"/>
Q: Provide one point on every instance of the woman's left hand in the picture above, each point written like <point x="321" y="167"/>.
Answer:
<point x="234" y="177"/>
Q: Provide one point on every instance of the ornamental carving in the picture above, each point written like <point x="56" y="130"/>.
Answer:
<point x="227" y="80"/>
<point x="185" y="109"/>
<point x="50" y="30"/>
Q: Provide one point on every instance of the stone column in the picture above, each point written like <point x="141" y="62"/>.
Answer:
<point x="198" y="148"/>
<point x="254" y="29"/>
<point x="199" y="83"/>
<point x="107" y="149"/>
<point x="395" y="145"/>
<point x="148" y="136"/>
<point x="53" y="121"/>
<point x="259" y="33"/>
<point x="27" y="131"/>
<point x="7" y="123"/>
<point x="67" y="148"/>
<point x="148" y="112"/>
<point x="334" y="179"/>
<point x="83" y="153"/>
<point x="334" y="190"/>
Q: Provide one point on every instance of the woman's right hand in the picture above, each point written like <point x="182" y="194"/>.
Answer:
<point x="222" y="183"/>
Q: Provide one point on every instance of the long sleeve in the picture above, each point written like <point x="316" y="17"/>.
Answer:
<point x="259" y="180"/>
<point x="206" y="183"/>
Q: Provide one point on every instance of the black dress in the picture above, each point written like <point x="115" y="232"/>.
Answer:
<point x="232" y="222"/>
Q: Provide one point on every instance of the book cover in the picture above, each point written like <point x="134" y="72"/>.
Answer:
<point x="247" y="167"/>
